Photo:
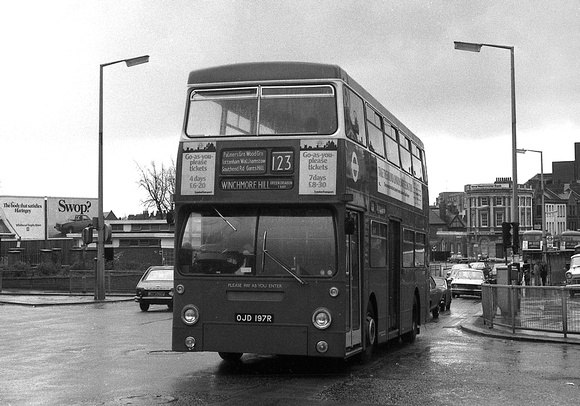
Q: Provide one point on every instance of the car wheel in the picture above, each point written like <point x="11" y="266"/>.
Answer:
<point x="144" y="306"/>
<point x="435" y="312"/>
<point x="230" y="356"/>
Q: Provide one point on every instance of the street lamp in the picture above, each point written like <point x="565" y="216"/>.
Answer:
<point x="100" y="276"/>
<point x="523" y="151"/>
<point x="476" y="47"/>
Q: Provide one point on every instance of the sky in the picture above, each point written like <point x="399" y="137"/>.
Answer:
<point x="402" y="52"/>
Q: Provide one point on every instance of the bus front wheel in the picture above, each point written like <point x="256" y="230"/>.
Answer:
<point x="230" y="356"/>
<point x="370" y="332"/>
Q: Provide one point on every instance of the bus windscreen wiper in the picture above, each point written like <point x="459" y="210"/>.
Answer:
<point x="278" y="261"/>
<point x="225" y="219"/>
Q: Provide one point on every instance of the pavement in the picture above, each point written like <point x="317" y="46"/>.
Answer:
<point x="39" y="298"/>
<point x="474" y="324"/>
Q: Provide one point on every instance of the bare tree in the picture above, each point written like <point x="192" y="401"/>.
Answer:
<point x="159" y="184"/>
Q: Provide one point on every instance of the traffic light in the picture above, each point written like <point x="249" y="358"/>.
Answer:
<point x="506" y="233"/>
<point x="516" y="237"/>
<point x="87" y="235"/>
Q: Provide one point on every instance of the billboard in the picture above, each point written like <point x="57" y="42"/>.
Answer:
<point x="39" y="218"/>
<point x="25" y="215"/>
<point x="66" y="215"/>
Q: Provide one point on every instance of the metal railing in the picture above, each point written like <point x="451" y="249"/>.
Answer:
<point x="553" y="309"/>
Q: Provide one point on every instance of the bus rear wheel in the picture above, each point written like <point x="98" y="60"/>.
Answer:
<point x="230" y="356"/>
<point x="370" y="332"/>
<point x="410" y="336"/>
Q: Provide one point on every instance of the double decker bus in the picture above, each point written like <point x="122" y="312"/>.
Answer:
<point x="301" y="214"/>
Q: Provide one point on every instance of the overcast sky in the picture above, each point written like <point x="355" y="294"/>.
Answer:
<point x="457" y="102"/>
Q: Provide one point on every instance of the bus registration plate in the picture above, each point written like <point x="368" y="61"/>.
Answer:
<point x="254" y="318"/>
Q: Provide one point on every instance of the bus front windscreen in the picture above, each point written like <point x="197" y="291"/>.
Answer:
<point x="267" y="242"/>
<point x="283" y="110"/>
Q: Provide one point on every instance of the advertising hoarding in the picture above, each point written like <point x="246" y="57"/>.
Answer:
<point x="38" y="218"/>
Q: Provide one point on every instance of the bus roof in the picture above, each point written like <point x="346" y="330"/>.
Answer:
<point x="280" y="71"/>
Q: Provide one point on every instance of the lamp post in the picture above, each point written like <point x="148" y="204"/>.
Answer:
<point x="523" y="151"/>
<point x="100" y="271"/>
<point x="476" y="47"/>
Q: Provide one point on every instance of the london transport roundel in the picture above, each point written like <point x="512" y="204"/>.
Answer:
<point x="354" y="166"/>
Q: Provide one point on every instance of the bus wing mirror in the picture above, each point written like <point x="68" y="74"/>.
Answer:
<point x="349" y="225"/>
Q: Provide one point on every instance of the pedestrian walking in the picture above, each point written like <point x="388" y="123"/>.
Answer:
<point x="543" y="273"/>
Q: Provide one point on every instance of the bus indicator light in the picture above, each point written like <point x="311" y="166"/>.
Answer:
<point x="190" y="343"/>
<point x="333" y="291"/>
<point x="322" y="347"/>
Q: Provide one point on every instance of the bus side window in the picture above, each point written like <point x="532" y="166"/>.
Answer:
<point x="354" y="117"/>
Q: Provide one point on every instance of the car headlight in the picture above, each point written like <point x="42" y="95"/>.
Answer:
<point x="190" y="315"/>
<point x="321" y="318"/>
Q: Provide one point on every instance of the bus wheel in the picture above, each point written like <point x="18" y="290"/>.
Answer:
<point x="230" y="356"/>
<point x="370" y="332"/>
<point x="410" y="336"/>
<point x="144" y="306"/>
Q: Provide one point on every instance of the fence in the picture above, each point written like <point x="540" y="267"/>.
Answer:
<point x="74" y="282"/>
<point x="554" y="309"/>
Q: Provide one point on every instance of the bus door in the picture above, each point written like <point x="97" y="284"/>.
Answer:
<point x="394" y="273"/>
<point x="353" y="269"/>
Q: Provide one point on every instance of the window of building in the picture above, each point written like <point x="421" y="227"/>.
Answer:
<point x="484" y="219"/>
<point x="499" y="219"/>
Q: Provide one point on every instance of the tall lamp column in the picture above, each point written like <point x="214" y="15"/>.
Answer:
<point x="100" y="270"/>
<point x="544" y="234"/>
<point x="476" y="47"/>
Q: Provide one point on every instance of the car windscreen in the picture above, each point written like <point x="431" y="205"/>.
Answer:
<point x="469" y="275"/>
<point x="160" y="275"/>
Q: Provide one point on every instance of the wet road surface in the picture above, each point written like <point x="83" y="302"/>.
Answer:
<point x="114" y="354"/>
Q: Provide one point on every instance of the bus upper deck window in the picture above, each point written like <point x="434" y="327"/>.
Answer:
<point x="298" y="110"/>
<point x="222" y="112"/>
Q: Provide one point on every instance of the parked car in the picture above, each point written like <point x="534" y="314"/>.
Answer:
<point x="573" y="275"/>
<point x="74" y="224"/>
<point x="445" y="303"/>
<point x="155" y="287"/>
<point x="483" y="266"/>
<point x="453" y="271"/>
<point x="435" y="295"/>
<point x="467" y="282"/>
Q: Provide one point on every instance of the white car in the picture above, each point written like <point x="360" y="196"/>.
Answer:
<point x="573" y="275"/>
<point x="467" y="282"/>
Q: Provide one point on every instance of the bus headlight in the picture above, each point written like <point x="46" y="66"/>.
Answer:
<point x="190" y="315"/>
<point x="321" y="318"/>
